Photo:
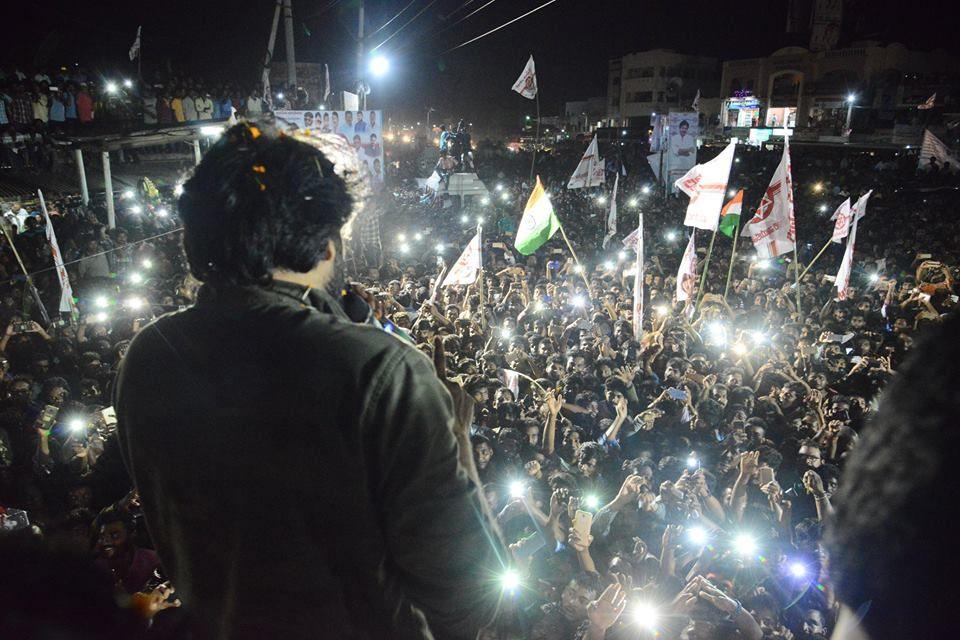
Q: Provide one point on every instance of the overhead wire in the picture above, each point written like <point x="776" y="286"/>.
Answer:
<point x="418" y="14"/>
<point x="504" y="25"/>
<point x="395" y="16"/>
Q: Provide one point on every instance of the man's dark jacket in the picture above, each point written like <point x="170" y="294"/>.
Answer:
<point x="299" y="475"/>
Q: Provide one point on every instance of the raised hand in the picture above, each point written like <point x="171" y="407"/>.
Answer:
<point x="749" y="462"/>
<point x="605" y="610"/>
<point x="463" y="403"/>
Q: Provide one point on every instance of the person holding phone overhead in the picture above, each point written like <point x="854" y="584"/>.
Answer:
<point x="312" y="482"/>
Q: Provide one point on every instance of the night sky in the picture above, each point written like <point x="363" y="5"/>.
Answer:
<point x="571" y="41"/>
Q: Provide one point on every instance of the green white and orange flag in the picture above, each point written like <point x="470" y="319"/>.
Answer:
<point x="538" y="223"/>
<point x="730" y="215"/>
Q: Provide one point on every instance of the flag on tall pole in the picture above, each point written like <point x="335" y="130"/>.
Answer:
<point x="135" y="47"/>
<point x="612" y="215"/>
<point x="638" y="284"/>
<point x="526" y="84"/>
<point x="929" y="102"/>
<point x="706" y="184"/>
<point x="687" y="274"/>
<point x="467" y="266"/>
<point x="842" y="217"/>
<point x="730" y="215"/>
<point x="773" y="228"/>
<point x="590" y="171"/>
<point x="538" y="223"/>
<point x="66" y="291"/>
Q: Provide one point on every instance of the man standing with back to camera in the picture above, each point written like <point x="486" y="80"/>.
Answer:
<point x="298" y="472"/>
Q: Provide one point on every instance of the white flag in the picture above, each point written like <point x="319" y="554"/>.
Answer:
<point x="706" y="184"/>
<point x="467" y="266"/>
<point x="696" y="101"/>
<point x="842" y="226"/>
<point x="859" y="209"/>
<point x="326" y="82"/>
<point x="632" y="240"/>
<point x="612" y="215"/>
<point x="526" y="84"/>
<point x="589" y="173"/>
<point x="66" y="291"/>
<point x="433" y="182"/>
<point x="773" y="228"/>
<point x="638" y="284"/>
<point x="933" y="148"/>
<point x="135" y="47"/>
<point x="929" y="102"/>
<point x="687" y="274"/>
<point x="511" y="380"/>
<point x="842" y="281"/>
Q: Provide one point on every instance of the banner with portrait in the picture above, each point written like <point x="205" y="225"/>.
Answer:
<point x="684" y="127"/>
<point x="363" y="129"/>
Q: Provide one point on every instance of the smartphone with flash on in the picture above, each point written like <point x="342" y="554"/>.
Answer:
<point x="765" y="475"/>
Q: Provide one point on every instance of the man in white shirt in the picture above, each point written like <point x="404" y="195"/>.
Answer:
<point x="254" y="104"/>
<point x="189" y="108"/>
<point x="204" y="107"/>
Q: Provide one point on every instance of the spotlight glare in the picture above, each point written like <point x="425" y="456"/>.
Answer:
<point x="591" y="501"/>
<point x="646" y="616"/>
<point x="798" y="570"/>
<point x="76" y="425"/>
<point x="100" y="302"/>
<point x="510" y="580"/>
<point x="162" y="213"/>
<point x="698" y="536"/>
<point x="517" y="489"/>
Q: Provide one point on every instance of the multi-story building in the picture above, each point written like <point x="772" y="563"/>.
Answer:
<point x="642" y="84"/>
<point x="876" y="86"/>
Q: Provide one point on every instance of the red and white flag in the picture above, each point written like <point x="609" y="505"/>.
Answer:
<point x="590" y="171"/>
<point x="638" y="283"/>
<point x="846" y="265"/>
<point x="933" y="148"/>
<point x="773" y="228"/>
<point x="467" y="266"/>
<point x="929" y="102"/>
<point x="687" y="274"/>
<point x="859" y="209"/>
<point x="706" y="184"/>
<point x="66" y="291"/>
<point x="842" y="225"/>
<point x="612" y="214"/>
<point x="526" y="84"/>
<point x="632" y="240"/>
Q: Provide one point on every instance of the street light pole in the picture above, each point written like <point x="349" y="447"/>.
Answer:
<point x="850" y="100"/>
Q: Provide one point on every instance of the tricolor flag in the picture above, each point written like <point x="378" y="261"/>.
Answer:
<point x="928" y="104"/>
<point x="538" y="223"/>
<point x="933" y="148"/>
<point x="467" y="266"/>
<point x="590" y="171"/>
<point x="687" y="274"/>
<point x="842" y="226"/>
<point x="526" y="84"/>
<point x="706" y="184"/>
<point x="730" y="215"/>
<point x="66" y="291"/>
<point x="135" y="47"/>
<point x="612" y="214"/>
<point x="773" y="228"/>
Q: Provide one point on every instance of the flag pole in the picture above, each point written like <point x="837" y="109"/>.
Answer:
<point x="816" y="257"/>
<point x="733" y="258"/>
<point x="576" y="260"/>
<point x="536" y="142"/>
<point x="481" y="278"/>
<point x="796" y="276"/>
<point x="706" y="266"/>
<point x="30" y="285"/>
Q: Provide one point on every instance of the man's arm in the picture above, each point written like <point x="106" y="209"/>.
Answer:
<point x="443" y="548"/>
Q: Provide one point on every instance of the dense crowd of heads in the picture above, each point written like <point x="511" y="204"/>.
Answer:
<point x="691" y="470"/>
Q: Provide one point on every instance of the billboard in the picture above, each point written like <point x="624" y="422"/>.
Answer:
<point x="682" y="151"/>
<point x="362" y="129"/>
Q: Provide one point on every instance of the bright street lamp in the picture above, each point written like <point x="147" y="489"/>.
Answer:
<point x="851" y="98"/>
<point x="379" y="65"/>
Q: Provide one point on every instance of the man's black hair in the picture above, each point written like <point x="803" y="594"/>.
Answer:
<point x="892" y="531"/>
<point x="260" y="201"/>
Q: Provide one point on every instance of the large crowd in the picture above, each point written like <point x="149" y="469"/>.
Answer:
<point x="675" y="485"/>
